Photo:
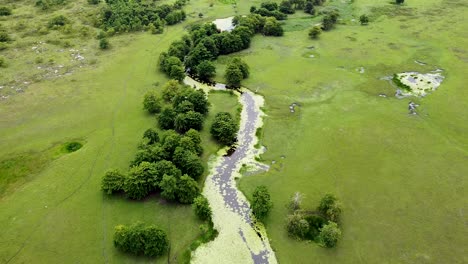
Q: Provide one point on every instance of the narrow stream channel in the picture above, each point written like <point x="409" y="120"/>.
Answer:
<point x="240" y="239"/>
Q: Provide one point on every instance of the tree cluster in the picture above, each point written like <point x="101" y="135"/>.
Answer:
<point x="320" y="226"/>
<point x="126" y="15"/>
<point x="141" y="239"/>
<point x="286" y="7"/>
<point x="261" y="202"/>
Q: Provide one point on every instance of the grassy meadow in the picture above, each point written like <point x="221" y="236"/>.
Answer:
<point x="400" y="177"/>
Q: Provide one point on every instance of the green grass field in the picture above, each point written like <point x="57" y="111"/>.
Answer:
<point x="399" y="176"/>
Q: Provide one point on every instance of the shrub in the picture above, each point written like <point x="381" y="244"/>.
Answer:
<point x="399" y="2"/>
<point x="168" y="186"/>
<point x="329" y="235"/>
<point x="272" y="27"/>
<point x="4" y="37"/>
<point x="104" y="44"/>
<point x="224" y="128"/>
<point x="58" y="21"/>
<point x="3" y="63"/>
<point x="94" y="2"/>
<point x="297" y="226"/>
<point x="112" y="182"/>
<point x="151" y="102"/>
<point x="329" y="20"/>
<point x="315" y="32"/>
<point x="202" y="208"/>
<point x="364" y="19"/>
<point x="141" y="239"/>
<point x="171" y="89"/>
<point x="261" y="202"/>
<point x="5" y="11"/>
<point x="330" y="207"/>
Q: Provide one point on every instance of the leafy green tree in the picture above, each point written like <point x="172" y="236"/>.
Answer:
<point x="233" y="76"/>
<point x="185" y="121"/>
<point x="286" y="7"/>
<point x="171" y="89"/>
<point x="166" y="118"/>
<point x="177" y="73"/>
<point x="168" y="186"/>
<point x="297" y="226"/>
<point x="364" y="19"/>
<point x="245" y="34"/>
<point x="141" y="180"/>
<point x="141" y="239"/>
<point x="165" y="167"/>
<point x="224" y="128"/>
<point x="206" y="70"/>
<point x="112" y="182"/>
<point x="188" y="162"/>
<point x="261" y="202"/>
<point x="197" y="55"/>
<point x="330" y="207"/>
<point x="242" y="66"/>
<point x="309" y="8"/>
<point x="199" y="100"/>
<point x="149" y="153"/>
<point x="152" y="135"/>
<point x="183" y="107"/>
<point x="170" y="142"/>
<point x="187" y="189"/>
<point x="151" y="102"/>
<point x="202" y="208"/>
<point x="315" y="32"/>
<point x="329" y="235"/>
<point x="272" y="27"/>
<point x="179" y="49"/>
<point x="329" y="20"/>
<point x="270" y="6"/>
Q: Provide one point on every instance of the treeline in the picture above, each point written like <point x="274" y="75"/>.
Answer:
<point x="127" y="15"/>
<point x="168" y="163"/>
<point x="280" y="12"/>
<point x="195" y="52"/>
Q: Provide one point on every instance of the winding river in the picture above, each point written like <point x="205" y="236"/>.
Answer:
<point x="240" y="239"/>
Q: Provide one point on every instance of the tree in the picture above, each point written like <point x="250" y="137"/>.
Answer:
<point x="187" y="189"/>
<point x="309" y="8"/>
<point x="188" y="162"/>
<point x="164" y="167"/>
<point x="286" y="7"/>
<point x="170" y="142"/>
<point x="315" y="32"/>
<point x="149" y="153"/>
<point x="152" y="135"/>
<point x="141" y="239"/>
<point x="206" y="70"/>
<point x="233" y="76"/>
<point x="224" y="128"/>
<point x="185" y="121"/>
<point x="399" y="2"/>
<point x="166" y="118"/>
<point x="272" y="27"/>
<point x="245" y="34"/>
<point x="364" y="19"/>
<point x="171" y="89"/>
<point x="297" y="226"/>
<point x="242" y="66"/>
<point x="261" y="202"/>
<point x="141" y="180"/>
<point x="183" y="107"/>
<point x="329" y="235"/>
<point x="270" y="6"/>
<point x="168" y="186"/>
<point x="202" y="208"/>
<point x="330" y="207"/>
<point x="329" y="20"/>
<point x="112" y="182"/>
<point x="151" y="102"/>
<point x="177" y="72"/>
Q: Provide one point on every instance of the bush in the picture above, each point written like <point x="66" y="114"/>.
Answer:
<point x="151" y="102"/>
<point x="316" y="222"/>
<point x="329" y="20"/>
<point x="329" y="235"/>
<point x="3" y="63"/>
<point x="315" y="32"/>
<point x="297" y="226"/>
<point x="364" y="19"/>
<point x="112" y="182"/>
<point x="399" y="2"/>
<point x="4" y="37"/>
<point x="94" y="2"/>
<point x="58" y="21"/>
<point x="104" y="44"/>
<point x="272" y="27"/>
<point x="330" y="207"/>
<point x="168" y="186"/>
<point x="171" y="89"/>
<point x="224" y="128"/>
<point x="261" y="202"/>
<point x="202" y="208"/>
<point x="141" y="239"/>
<point x="5" y="11"/>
